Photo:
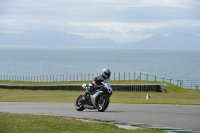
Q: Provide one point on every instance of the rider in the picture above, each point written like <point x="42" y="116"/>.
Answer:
<point x="96" y="82"/>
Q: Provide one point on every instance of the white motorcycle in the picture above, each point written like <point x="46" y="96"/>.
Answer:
<point x="98" y="99"/>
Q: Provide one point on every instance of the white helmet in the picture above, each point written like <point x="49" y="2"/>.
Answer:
<point x="106" y="73"/>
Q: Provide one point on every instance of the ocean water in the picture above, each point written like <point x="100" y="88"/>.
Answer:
<point x="174" y="64"/>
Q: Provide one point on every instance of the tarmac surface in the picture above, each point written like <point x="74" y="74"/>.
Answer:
<point x="185" y="117"/>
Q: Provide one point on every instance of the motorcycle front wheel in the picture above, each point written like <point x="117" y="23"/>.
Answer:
<point x="102" y="103"/>
<point x="78" y="105"/>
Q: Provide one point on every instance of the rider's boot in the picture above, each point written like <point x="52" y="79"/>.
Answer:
<point x="84" y="96"/>
<point x="88" y="90"/>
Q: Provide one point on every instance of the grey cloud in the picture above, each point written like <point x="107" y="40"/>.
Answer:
<point x="166" y="27"/>
<point x="96" y="12"/>
<point x="114" y="18"/>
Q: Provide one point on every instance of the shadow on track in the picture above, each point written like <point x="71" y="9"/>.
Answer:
<point x="104" y="112"/>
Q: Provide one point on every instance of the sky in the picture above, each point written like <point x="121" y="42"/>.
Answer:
<point x="120" y="20"/>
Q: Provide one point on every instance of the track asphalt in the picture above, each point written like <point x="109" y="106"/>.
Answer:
<point x="185" y="117"/>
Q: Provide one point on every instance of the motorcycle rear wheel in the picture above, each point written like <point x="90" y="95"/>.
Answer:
<point x="78" y="105"/>
<point x="102" y="103"/>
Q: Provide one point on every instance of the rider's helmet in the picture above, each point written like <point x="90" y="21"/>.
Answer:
<point x="106" y="73"/>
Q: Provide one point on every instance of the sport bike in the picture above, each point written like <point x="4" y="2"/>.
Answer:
<point x="98" y="99"/>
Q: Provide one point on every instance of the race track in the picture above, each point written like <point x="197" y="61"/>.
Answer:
<point x="176" y="116"/>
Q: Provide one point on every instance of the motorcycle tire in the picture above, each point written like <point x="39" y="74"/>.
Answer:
<point x="78" y="105"/>
<point x="102" y="103"/>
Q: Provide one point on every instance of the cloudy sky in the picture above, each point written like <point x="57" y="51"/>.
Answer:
<point x="121" y="20"/>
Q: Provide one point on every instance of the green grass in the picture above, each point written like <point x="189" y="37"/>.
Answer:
<point x="175" y="94"/>
<point x="26" y="123"/>
<point x="182" y="98"/>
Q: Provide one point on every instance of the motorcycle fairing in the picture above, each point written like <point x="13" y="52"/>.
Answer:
<point x="94" y="97"/>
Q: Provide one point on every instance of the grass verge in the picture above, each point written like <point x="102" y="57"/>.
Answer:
<point x="189" y="98"/>
<point x="175" y="94"/>
<point x="26" y="123"/>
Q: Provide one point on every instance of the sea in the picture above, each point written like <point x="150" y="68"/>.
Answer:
<point x="173" y="64"/>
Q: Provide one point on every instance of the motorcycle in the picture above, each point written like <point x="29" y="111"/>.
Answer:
<point x="98" y="99"/>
